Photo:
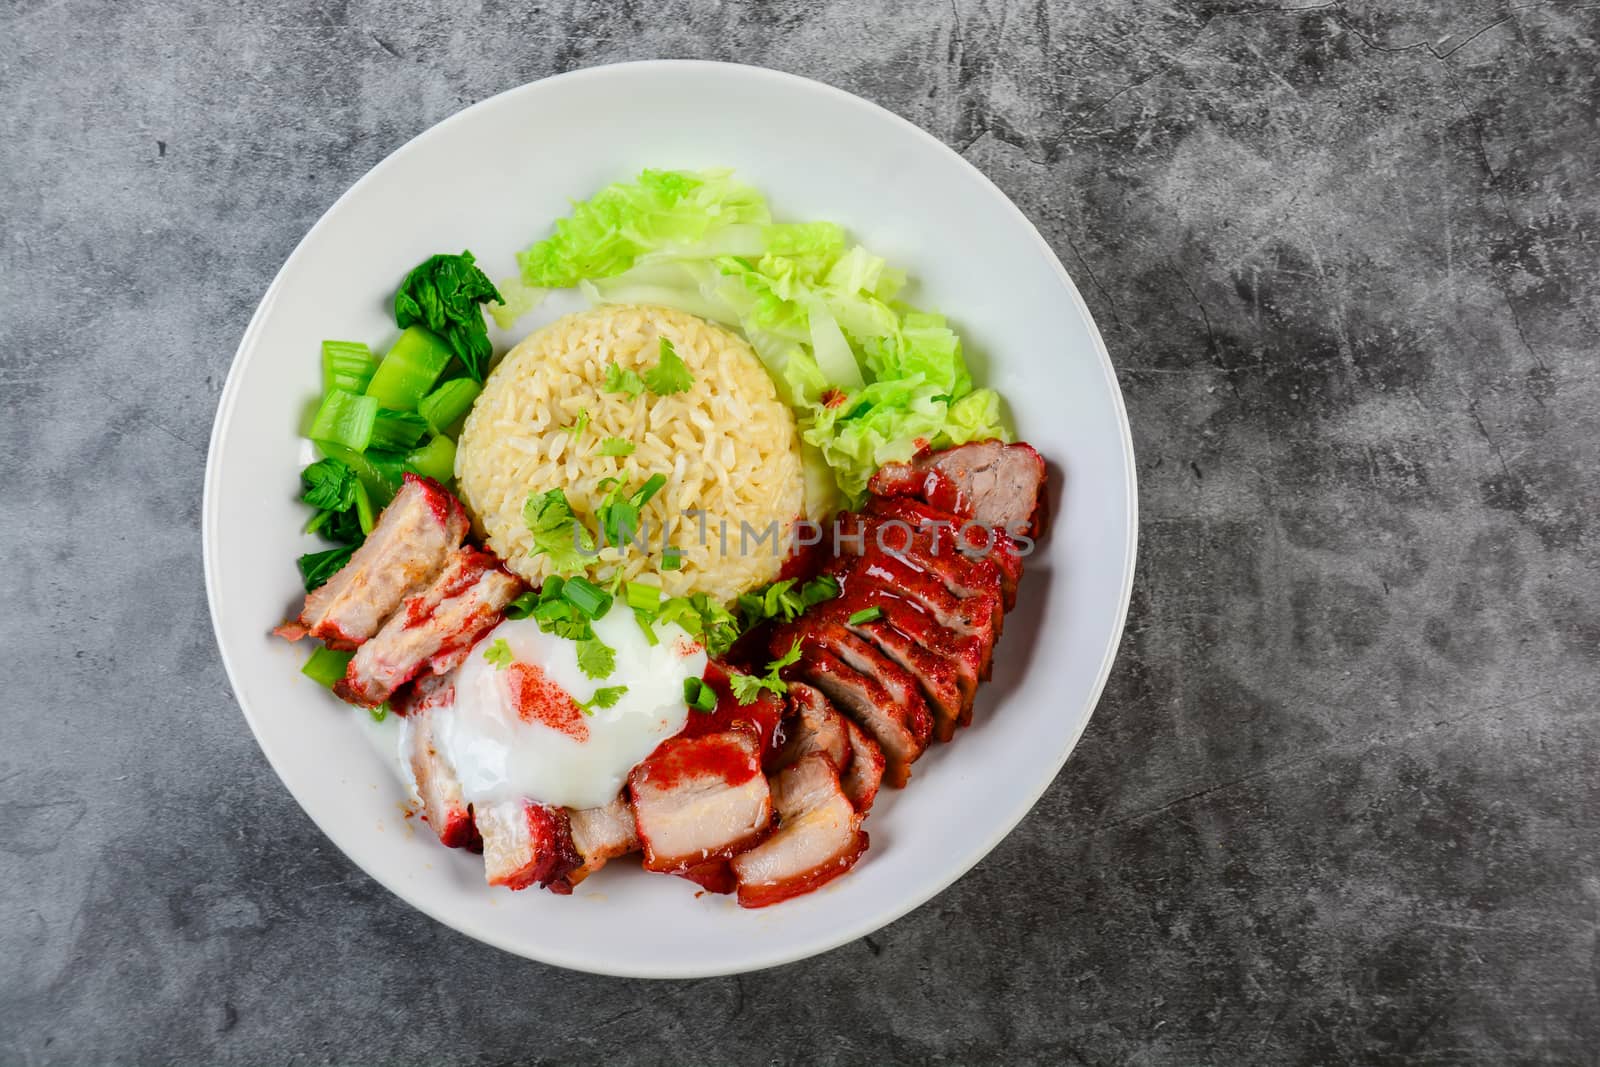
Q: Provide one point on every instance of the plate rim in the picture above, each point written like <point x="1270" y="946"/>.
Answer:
<point x="874" y="920"/>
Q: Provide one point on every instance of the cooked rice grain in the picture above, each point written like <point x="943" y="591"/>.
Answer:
<point x="727" y="445"/>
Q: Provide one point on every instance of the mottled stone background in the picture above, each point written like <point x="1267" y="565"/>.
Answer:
<point x="1340" y="801"/>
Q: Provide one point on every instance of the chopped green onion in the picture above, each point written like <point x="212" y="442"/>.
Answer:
<point x="409" y="369"/>
<point x="672" y="560"/>
<point x="364" y="508"/>
<point x="644" y="619"/>
<point x="347" y="365"/>
<point x="872" y="614"/>
<point x="326" y="666"/>
<point x="345" y="419"/>
<point x="642" y="596"/>
<point x="616" y="446"/>
<point x="523" y="606"/>
<point x="587" y="597"/>
<point x="436" y="460"/>
<point x="380" y="712"/>
<point x="699" y="696"/>
<point x="652" y="485"/>
<point x="446" y="404"/>
<point x="397" y="429"/>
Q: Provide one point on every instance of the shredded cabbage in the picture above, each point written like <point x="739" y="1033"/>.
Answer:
<point x="871" y="379"/>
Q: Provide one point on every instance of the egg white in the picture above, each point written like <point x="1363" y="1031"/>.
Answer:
<point x="499" y="756"/>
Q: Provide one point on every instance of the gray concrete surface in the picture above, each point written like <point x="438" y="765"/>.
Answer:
<point x="1340" y="801"/>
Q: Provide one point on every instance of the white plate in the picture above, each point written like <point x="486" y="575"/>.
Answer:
<point x="492" y="179"/>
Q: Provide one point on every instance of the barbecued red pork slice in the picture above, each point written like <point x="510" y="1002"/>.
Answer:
<point x="818" y="838"/>
<point x="825" y="630"/>
<point x="862" y="777"/>
<point x="405" y="551"/>
<point x="438" y="789"/>
<point x="526" y="843"/>
<point x="697" y="799"/>
<point x="900" y="730"/>
<point x="433" y="630"/>
<point x="970" y="564"/>
<point x="817" y="727"/>
<point x="999" y="485"/>
<point x="967" y="655"/>
<point x="601" y="834"/>
<point x="935" y="672"/>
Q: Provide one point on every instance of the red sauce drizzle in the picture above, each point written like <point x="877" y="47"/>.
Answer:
<point x="540" y="700"/>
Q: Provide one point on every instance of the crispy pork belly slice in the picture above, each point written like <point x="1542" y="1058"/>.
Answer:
<point x="816" y="728"/>
<point x="935" y="673"/>
<point x="526" y="843"/>
<point x="438" y="788"/>
<point x="861" y="655"/>
<point x="818" y="837"/>
<point x="697" y="799"/>
<point x="428" y="692"/>
<point x="864" y="774"/>
<point x="405" y="551"/>
<point x="601" y="834"/>
<point x="714" y="876"/>
<point x="433" y="630"/>
<point x="999" y="485"/>
<point x="897" y="728"/>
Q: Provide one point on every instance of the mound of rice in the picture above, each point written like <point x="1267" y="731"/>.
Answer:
<point x="727" y="445"/>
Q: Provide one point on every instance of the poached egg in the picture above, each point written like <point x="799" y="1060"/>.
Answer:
<point x="528" y="727"/>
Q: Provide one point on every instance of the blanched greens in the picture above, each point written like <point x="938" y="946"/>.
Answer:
<point x="445" y="294"/>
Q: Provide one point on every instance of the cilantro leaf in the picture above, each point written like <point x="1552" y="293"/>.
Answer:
<point x="623" y="381"/>
<point x="329" y="485"/>
<point x="443" y="293"/>
<point x="747" y="687"/>
<point x="499" y="653"/>
<point x="596" y="659"/>
<point x="670" y="375"/>
<point x="604" y="697"/>
<point x="557" y="533"/>
<point x="616" y="446"/>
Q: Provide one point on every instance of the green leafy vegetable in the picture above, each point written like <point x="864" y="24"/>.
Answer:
<point x="616" y="446"/>
<point x="622" y="381"/>
<point x="409" y="369"/>
<point x="447" y="403"/>
<point x="662" y="209"/>
<point x="436" y="460"/>
<point x="670" y="375"/>
<point x="604" y="697"/>
<point x="499" y="653"/>
<point x="317" y="567"/>
<point x="397" y="429"/>
<point x="556" y="531"/>
<point x="347" y="365"/>
<point x="444" y="293"/>
<point x="699" y="696"/>
<point x="596" y="659"/>
<point x="872" y="614"/>
<point x="364" y="517"/>
<point x="344" y="419"/>
<point x="329" y="484"/>
<point x="326" y="666"/>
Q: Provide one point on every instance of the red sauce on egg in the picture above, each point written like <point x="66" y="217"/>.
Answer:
<point x="540" y="700"/>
